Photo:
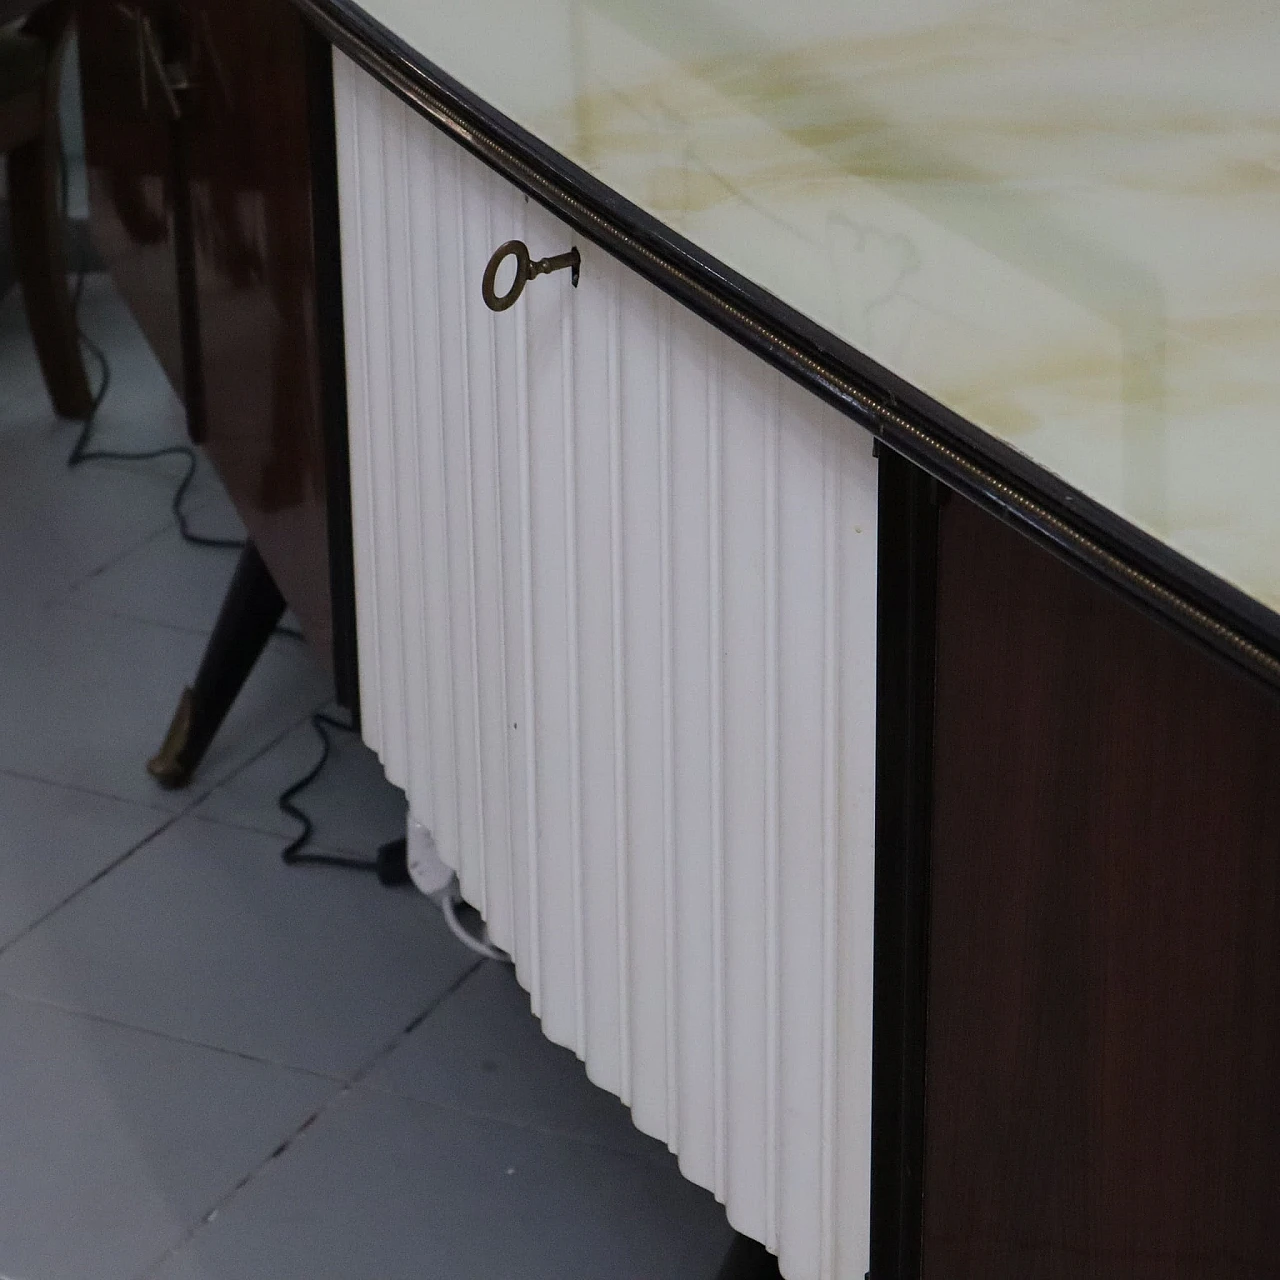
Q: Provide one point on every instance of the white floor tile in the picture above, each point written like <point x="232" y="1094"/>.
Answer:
<point x="53" y="840"/>
<point x="484" y="1053"/>
<point x="165" y="580"/>
<point x="116" y="1143"/>
<point x="206" y="935"/>
<point x="85" y="700"/>
<point x="381" y="1188"/>
<point x="58" y="525"/>
<point x="353" y="806"/>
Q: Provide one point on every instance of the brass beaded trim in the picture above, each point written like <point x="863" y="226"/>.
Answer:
<point x="513" y="164"/>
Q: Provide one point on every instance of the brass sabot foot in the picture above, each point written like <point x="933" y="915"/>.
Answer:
<point x="167" y="766"/>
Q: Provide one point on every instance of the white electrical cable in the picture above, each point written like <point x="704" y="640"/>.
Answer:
<point x="449" y="909"/>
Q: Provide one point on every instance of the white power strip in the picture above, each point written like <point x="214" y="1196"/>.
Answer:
<point x="438" y="882"/>
<point x="425" y="868"/>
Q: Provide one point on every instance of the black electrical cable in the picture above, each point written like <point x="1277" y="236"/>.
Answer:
<point x="293" y="853"/>
<point x="81" y="452"/>
<point x="390" y="865"/>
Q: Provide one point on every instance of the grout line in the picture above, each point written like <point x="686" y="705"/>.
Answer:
<point x="247" y="826"/>
<point x="81" y="789"/>
<point x="198" y="794"/>
<point x="100" y="874"/>
<point x="345" y="1088"/>
<point x="112" y="561"/>
<point x="72" y="602"/>
<point x="79" y="606"/>
<point x="234" y="1190"/>
<point x="414" y="1023"/>
<point x="169" y="1037"/>
<point x="661" y="1155"/>
<point x="171" y="817"/>
<point x="169" y="524"/>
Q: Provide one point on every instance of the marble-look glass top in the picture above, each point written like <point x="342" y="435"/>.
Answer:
<point x="1060" y="218"/>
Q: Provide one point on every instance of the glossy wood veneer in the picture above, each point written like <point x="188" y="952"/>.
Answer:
<point x="204" y="219"/>
<point x="1104" y="954"/>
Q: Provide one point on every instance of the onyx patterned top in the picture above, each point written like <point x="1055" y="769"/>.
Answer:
<point x="1059" y="221"/>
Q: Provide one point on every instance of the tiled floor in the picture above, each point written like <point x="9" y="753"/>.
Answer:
<point x="214" y="1067"/>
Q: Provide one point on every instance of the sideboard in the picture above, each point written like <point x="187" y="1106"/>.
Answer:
<point x="816" y="577"/>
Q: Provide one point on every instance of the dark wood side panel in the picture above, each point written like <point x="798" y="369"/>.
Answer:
<point x="130" y="156"/>
<point x="202" y="210"/>
<point x="333" y="369"/>
<point x="1104" y="973"/>
<point x="250" y="170"/>
<point x="906" y="628"/>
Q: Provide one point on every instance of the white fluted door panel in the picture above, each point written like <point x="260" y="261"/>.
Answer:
<point x="616" y="599"/>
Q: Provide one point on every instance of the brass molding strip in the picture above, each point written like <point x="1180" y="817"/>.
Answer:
<point x="885" y="421"/>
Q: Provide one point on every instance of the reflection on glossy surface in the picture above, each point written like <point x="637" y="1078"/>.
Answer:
<point x="129" y="159"/>
<point x="1061" y="220"/>
<point x="251" y="197"/>
<point x="238" y="154"/>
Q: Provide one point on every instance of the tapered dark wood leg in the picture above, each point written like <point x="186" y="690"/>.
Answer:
<point x="36" y="222"/>
<point x="250" y="613"/>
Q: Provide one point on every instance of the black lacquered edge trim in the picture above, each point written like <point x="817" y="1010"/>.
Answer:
<point x="333" y="371"/>
<point x="906" y="612"/>
<point x="963" y="456"/>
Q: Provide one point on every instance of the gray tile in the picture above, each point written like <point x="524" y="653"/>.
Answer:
<point x="140" y="409"/>
<point x="204" y="934"/>
<point x="85" y="700"/>
<point x="381" y="1188"/>
<point x="351" y="803"/>
<point x="58" y="525"/>
<point x="209" y="508"/>
<point x="53" y="840"/>
<point x="165" y="580"/>
<point x="484" y="1053"/>
<point x="116" y="1142"/>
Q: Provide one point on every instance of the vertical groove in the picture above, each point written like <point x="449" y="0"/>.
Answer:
<point x="370" y="647"/>
<point x="392" y="634"/>
<point x="438" y="430"/>
<point x="621" y="825"/>
<point x="830" y="841"/>
<point x="468" y="422"/>
<point x="667" y="592"/>
<point x="502" y="615"/>
<point x="496" y="479"/>
<point x="375" y="542"/>
<point x="398" y="244"/>
<point x="574" y="662"/>
<point x="719" y="1031"/>
<point x="419" y="770"/>
<point x="531" y="735"/>
<point x="451" y="657"/>
<point x="772" y="815"/>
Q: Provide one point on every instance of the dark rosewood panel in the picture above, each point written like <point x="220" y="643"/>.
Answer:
<point x="1104" y="971"/>
<point x="131" y="158"/>
<point x="201" y="194"/>
<point x="907" y="541"/>
<point x="251" y="192"/>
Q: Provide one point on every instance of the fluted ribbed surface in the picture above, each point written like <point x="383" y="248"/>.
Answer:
<point x="616" y="598"/>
